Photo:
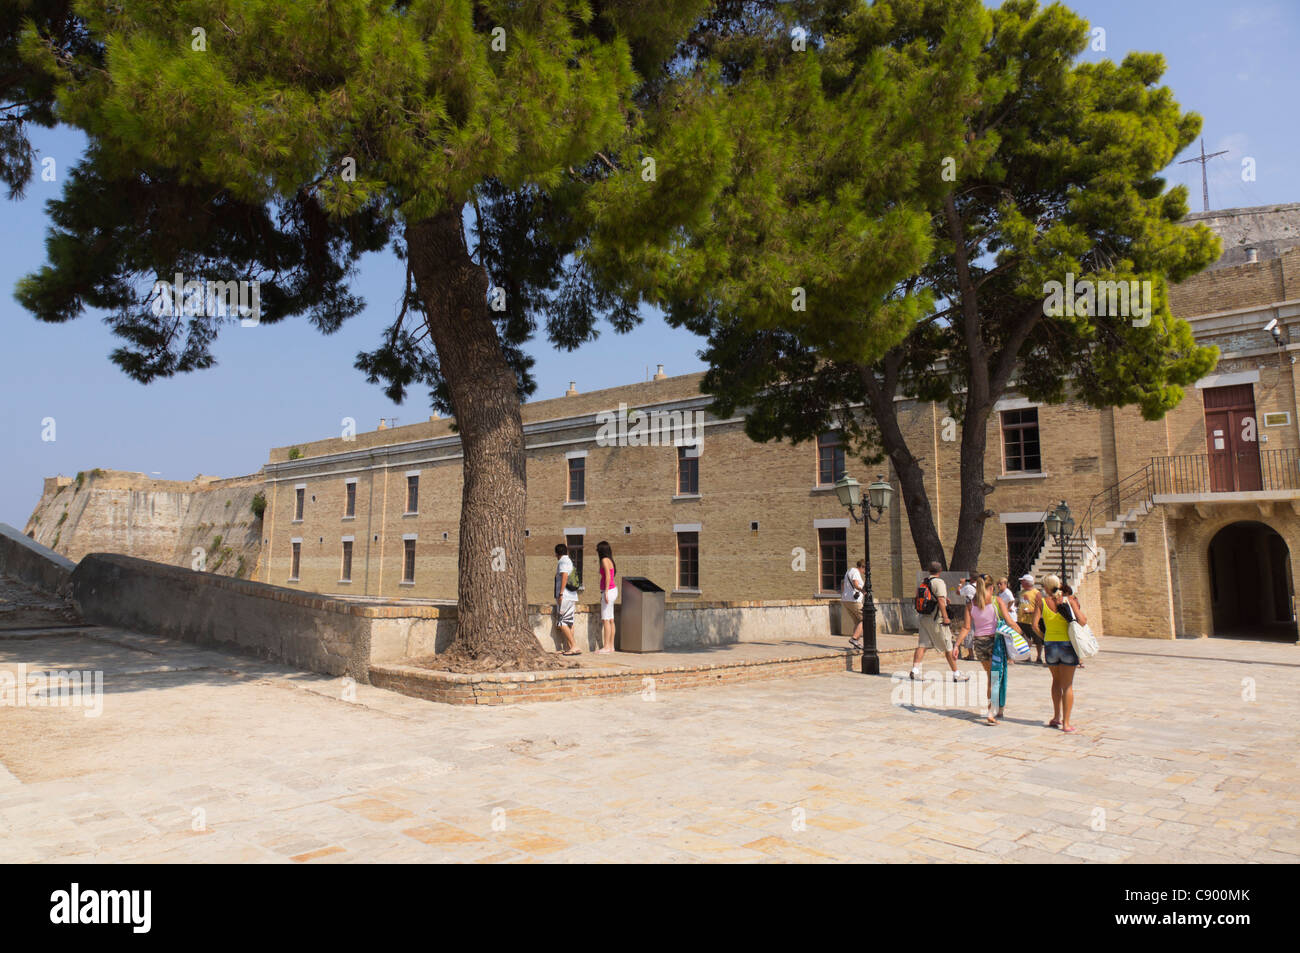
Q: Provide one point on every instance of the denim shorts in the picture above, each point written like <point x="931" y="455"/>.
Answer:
<point x="1059" y="653"/>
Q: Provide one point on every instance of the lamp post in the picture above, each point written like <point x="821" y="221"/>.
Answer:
<point x="1060" y="523"/>
<point x="878" y="494"/>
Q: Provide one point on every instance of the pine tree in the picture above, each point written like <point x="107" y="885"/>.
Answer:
<point x="1008" y="164"/>
<point x="271" y="141"/>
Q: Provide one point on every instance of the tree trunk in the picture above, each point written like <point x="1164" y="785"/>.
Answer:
<point x="492" y="614"/>
<point x="911" y="478"/>
<point x="971" y="517"/>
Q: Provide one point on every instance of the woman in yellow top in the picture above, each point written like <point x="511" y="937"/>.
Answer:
<point x="1058" y="608"/>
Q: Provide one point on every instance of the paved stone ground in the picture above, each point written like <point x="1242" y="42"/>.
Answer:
<point x="202" y="756"/>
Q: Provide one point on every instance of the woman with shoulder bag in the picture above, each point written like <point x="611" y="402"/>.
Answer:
<point x="1059" y="610"/>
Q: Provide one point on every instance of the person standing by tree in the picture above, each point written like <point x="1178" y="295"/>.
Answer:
<point x="608" y="594"/>
<point x="566" y="598"/>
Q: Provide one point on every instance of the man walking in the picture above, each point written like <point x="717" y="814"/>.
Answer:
<point x="935" y="628"/>
<point x="851" y="596"/>
<point x="566" y="600"/>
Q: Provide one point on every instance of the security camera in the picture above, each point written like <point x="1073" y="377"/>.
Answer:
<point x="1270" y="326"/>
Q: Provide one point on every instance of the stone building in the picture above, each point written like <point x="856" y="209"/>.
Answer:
<point x="1186" y="525"/>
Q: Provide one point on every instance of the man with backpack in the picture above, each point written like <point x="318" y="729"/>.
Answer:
<point x="935" y="629"/>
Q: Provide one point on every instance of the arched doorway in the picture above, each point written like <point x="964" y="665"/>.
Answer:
<point x="1250" y="583"/>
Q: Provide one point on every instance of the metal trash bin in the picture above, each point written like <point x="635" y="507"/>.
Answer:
<point x="641" y="618"/>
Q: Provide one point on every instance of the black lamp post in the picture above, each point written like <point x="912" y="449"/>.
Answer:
<point x="850" y="493"/>
<point x="1061" y="525"/>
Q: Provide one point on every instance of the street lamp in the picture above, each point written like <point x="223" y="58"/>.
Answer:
<point x="1060" y="523"/>
<point x="849" y="491"/>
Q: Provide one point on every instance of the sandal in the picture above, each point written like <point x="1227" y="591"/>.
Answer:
<point x="1054" y="723"/>
<point x="572" y="652"/>
<point x="1070" y="730"/>
<point x="990" y="721"/>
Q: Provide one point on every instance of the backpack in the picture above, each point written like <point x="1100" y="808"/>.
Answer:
<point x="926" y="603"/>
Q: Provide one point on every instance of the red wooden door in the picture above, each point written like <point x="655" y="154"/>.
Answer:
<point x="1231" y="438"/>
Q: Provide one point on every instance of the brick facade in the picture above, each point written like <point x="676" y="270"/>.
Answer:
<point x="1152" y="585"/>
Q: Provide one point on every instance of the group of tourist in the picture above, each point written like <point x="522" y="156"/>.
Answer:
<point x="1041" y="616"/>
<point x="567" y="586"/>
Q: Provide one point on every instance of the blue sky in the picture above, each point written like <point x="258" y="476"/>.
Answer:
<point x="286" y="383"/>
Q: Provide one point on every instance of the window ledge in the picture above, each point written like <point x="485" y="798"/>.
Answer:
<point x="686" y="592"/>
<point x="1040" y="475"/>
<point x="345" y="582"/>
<point x="293" y="579"/>
<point x="348" y="519"/>
<point x="576" y="503"/>
<point x="824" y="488"/>
<point x="411" y="513"/>
<point x="407" y="584"/>
<point x="686" y="496"/>
<point x="295" y="521"/>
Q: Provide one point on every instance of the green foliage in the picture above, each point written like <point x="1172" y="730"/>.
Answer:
<point x="27" y="94"/>
<point x="1056" y="168"/>
<point x="216" y="543"/>
<point x="295" y="453"/>
<point x="259" y="504"/>
<point x="263" y="158"/>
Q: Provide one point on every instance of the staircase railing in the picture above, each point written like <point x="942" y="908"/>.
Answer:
<point x="1105" y="506"/>
<point x="1033" y="548"/>
<point x="1118" y="498"/>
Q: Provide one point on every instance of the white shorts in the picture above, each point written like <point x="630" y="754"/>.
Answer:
<point x="607" y="605"/>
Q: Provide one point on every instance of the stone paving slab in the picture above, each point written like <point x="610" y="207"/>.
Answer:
<point x="1185" y="754"/>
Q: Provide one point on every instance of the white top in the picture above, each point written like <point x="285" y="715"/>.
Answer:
<point x="1008" y="604"/>
<point x="967" y="591"/>
<point x="564" y="565"/>
<point x="851" y="593"/>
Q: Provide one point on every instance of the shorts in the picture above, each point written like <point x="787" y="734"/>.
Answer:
<point x="934" y="635"/>
<point x="565" y="614"/>
<point x="984" y="648"/>
<point x="607" y="605"/>
<point x="854" y="609"/>
<point x="1059" y="653"/>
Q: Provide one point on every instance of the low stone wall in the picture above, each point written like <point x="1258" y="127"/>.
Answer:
<point x="309" y="632"/>
<point x="509" y="687"/>
<point x="30" y="562"/>
<point x="417" y="631"/>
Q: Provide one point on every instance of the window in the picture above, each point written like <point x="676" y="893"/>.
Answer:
<point x="1020" y="441"/>
<point x="833" y="549"/>
<point x="350" y="507"/>
<point x="346" y="574"/>
<point x="298" y="502"/>
<point x="830" y="459"/>
<point x="688" y="471"/>
<point x="408" y="560"/>
<point x="688" y="560"/>
<point x="575" y="553"/>
<point x="577" y="480"/>
<point x="297" y="560"/>
<point x="412" y="493"/>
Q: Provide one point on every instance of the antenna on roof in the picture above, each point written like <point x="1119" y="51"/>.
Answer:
<point x="1203" y="159"/>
